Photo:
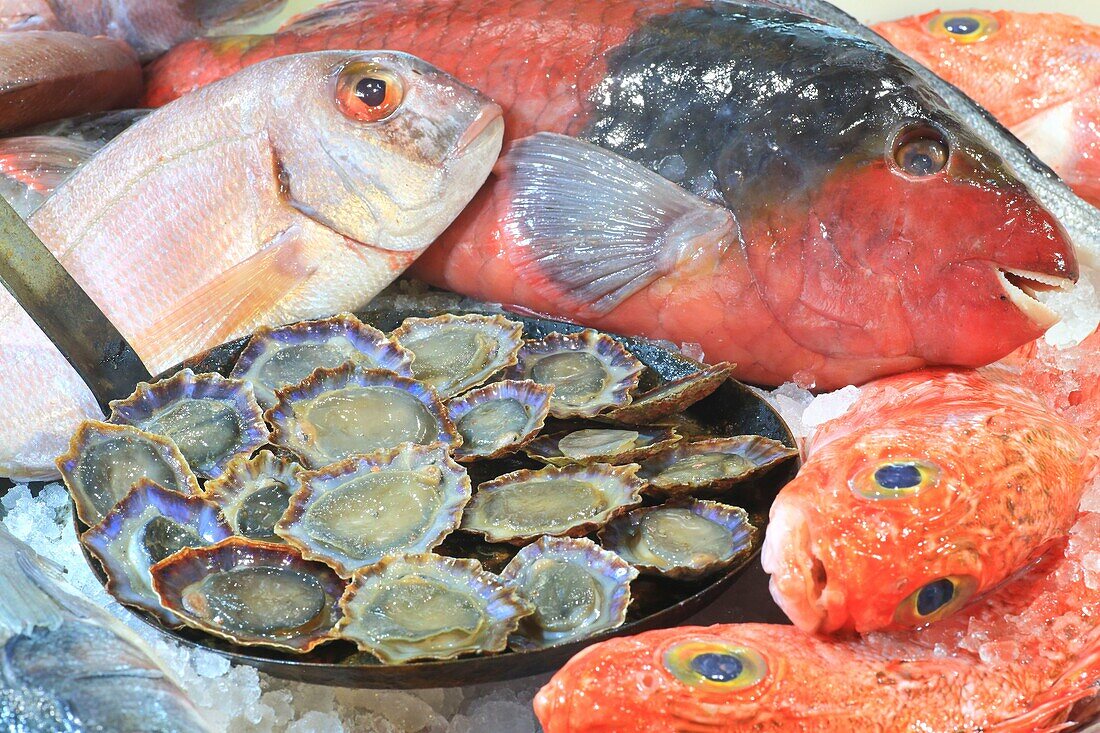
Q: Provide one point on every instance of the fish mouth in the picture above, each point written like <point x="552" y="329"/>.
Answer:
<point x="1023" y="288"/>
<point x="798" y="576"/>
<point x="487" y="118"/>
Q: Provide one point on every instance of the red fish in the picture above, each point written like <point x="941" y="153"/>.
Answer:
<point x="836" y="218"/>
<point x="47" y="75"/>
<point x="932" y="489"/>
<point x="1038" y="73"/>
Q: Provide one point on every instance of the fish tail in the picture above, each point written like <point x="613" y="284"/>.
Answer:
<point x="1049" y="711"/>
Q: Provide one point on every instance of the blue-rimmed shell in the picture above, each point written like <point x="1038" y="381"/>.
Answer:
<point x="355" y="512"/>
<point x="590" y="372"/>
<point x="253" y="593"/>
<point x="707" y="467"/>
<point x="682" y="540"/>
<point x="601" y="445"/>
<point x="276" y="358"/>
<point x="337" y="413"/>
<point x="105" y="461"/>
<point x="148" y="525"/>
<point x="671" y="397"/>
<point x="576" y="587"/>
<point x="254" y="493"/>
<point x="572" y="501"/>
<point x="209" y="417"/>
<point x="454" y="353"/>
<point x="499" y="418"/>
<point x="429" y="607"/>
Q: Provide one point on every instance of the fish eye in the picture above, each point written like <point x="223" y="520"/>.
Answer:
<point x="368" y="93"/>
<point x="936" y="599"/>
<point x="921" y="150"/>
<point x="715" y="665"/>
<point x="895" y="479"/>
<point x="968" y="27"/>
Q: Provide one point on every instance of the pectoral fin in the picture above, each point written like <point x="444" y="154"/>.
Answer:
<point x="590" y="225"/>
<point x="31" y="167"/>
<point x="231" y="303"/>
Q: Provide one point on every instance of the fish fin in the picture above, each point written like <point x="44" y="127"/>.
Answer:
<point x="222" y="15"/>
<point x="31" y="167"/>
<point x="31" y="596"/>
<point x="590" y="225"/>
<point x="233" y="301"/>
<point x="326" y="15"/>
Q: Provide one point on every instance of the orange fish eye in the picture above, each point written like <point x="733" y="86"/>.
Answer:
<point x="895" y="479"/>
<point x="715" y="666"/>
<point x="920" y="150"/>
<point x="964" y="27"/>
<point x="368" y="93"/>
<point x="935" y="600"/>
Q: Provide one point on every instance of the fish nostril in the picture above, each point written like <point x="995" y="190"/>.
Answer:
<point x="818" y="576"/>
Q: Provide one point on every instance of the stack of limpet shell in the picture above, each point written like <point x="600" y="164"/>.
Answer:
<point x="348" y="503"/>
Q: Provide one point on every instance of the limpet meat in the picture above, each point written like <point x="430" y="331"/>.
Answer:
<point x="499" y="418"/>
<point x="337" y="413"/>
<point x="276" y="358"/>
<point x="254" y="493"/>
<point x="454" y="353"/>
<point x="353" y="513"/>
<point x="148" y="525"/>
<point x="576" y="587"/>
<point x="209" y="417"/>
<point x="105" y="461"/>
<point x="429" y="607"/>
<point x="601" y="445"/>
<point x="590" y="372"/>
<point x="521" y="506"/>
<point x="711" y="466"/>
<point x="682" y="540"/>
<point x="252" y="593"/>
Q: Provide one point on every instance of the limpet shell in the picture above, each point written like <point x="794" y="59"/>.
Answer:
<point x="353" y="513"/>
<point x="576" y="587"/>
<point x="601" y="445"/>
<point x="572" y="501"/>
<point x="252" y="593"/>
<point x="428" y="607"/>
<point x="671" y="397"/>
<point x="341" y="412"/>
<point x="254" y="493"/>
<point x="499" y="418"/>
<point x="590" y="372"/>
<point x="148" y="525"/>
<point x="105" y="461"/>
<point x="711" y="466"/>
<point x="209" y="417"/>
<point x="276" y="358"/>
<point x="454" y="353"/>
<point x="682" y="540"/>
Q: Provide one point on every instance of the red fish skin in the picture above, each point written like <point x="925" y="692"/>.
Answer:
<point x="49" y="75"/>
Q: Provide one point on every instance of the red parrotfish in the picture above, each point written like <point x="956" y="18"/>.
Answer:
<point x="49" y="75"/>
<point x="768" y="180"/>
<point x="1038" y="73"/>
<point x="933" y="488"/>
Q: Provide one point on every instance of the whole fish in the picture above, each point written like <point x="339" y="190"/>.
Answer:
<point x="841" y="212"/>
<point x="295" y="189"/>
<point x="71" y="667"/>
<point x="151" y="27"/>
<point x="1016" y="662"/>
<point x="933" y="488"/>
<point x="1038" y="73"/>
<point x="49" y="75"/>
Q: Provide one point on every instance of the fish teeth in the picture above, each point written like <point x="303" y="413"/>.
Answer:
<point x="1041" y="315"/>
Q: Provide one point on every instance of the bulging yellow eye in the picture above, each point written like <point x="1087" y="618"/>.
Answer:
<point x="716" y="666"/>
<point x="895" y="479"/>
<point x="367" y="93"/>
<point x="935" y="600"/>
<point x="964" y="27"/>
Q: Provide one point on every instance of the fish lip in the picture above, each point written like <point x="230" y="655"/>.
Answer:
<point x="799" y="577"/>
<point x="1023" y="288"/>
<point x="484" y="120"/>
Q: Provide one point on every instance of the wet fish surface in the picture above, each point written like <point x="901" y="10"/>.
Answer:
<point x="189" y="234"/>
<point x="70" y="667"/>
<point x="796" y="244"/>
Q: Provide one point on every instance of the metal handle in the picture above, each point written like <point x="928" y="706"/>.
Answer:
<point x="65" y="313"/>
